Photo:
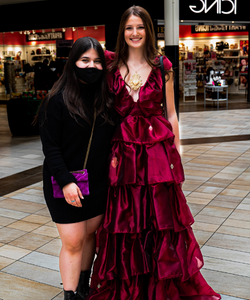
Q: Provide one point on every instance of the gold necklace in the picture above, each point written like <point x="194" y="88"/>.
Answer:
<point x="135" y="81"/>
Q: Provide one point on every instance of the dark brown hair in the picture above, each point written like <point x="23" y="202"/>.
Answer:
<point x="69" y="84"/>
<point x="150" y="51"/>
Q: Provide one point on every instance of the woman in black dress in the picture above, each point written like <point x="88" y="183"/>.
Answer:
<point x="65" y="120"/>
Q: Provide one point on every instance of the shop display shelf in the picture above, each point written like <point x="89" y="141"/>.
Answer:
<point x="41" y="55"/>
<point x="217" y="90"/>
<point x="231" y="57"/>
<point x="215" y="99"/>
<point x="190" y="81"/>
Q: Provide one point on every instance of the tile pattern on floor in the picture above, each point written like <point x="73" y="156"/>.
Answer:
<point x="17" y="153"/>
<point x="217" y="191"/>
<point x="216" y="123"/>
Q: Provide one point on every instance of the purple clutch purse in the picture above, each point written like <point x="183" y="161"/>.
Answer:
<point x="81" y="175"/>
<point x="81" y="181"/>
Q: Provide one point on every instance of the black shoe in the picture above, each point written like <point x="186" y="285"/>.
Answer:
<point x="70" y="295"/>
<point x="83" y="285"/>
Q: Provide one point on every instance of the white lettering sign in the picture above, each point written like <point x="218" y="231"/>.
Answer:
<point x="45" y="36"/>
<point x="218" y="28"/>
<point x="219" y="6"/>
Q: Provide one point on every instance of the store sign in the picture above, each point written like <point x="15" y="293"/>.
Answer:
<point x="214" y="11"/>
<point x="217" y="28"/>
<point x="47" y="36"/>
<point x="205" y="6"/>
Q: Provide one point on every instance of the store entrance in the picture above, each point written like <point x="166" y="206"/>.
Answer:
<point x="213" y="67"/>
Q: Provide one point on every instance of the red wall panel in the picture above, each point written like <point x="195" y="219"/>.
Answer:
<point x="16" y="38"/>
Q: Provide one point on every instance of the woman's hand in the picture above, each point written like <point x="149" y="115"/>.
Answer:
<point x="72" y="194"/>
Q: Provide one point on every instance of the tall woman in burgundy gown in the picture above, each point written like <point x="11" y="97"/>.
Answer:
<point x="147" y="249"/>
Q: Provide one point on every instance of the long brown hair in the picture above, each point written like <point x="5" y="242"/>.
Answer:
<point x="121" y="50"/>
<point x="68" y="84"/>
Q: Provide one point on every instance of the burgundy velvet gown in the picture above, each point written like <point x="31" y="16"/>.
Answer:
<point x="147" y="247"/>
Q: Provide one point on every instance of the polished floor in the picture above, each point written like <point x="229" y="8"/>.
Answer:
<point x="216" y="157"/>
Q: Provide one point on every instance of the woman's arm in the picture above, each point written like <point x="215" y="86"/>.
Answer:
<point x="51" y="137"/>
<point x="171" y="112"/>
<point x="51" y="127"/>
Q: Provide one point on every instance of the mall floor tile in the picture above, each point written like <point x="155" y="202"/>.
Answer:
<point x="217" y="171"/>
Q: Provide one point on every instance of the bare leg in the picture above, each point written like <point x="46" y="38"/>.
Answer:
<point x="78" y="250"/>
<point x="73" y="237"/>
<point x="89" y="247"/>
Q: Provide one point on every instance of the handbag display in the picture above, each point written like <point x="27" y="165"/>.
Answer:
<point x="220" y="46"/>
<point x="80" y="175"/>
<point x="163" y="89"/>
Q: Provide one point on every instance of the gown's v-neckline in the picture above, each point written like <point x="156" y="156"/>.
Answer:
<point x="149" y="75"/>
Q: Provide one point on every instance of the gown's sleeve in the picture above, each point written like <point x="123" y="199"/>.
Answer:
<point x="51" y="128"/>
<point x="109" y="56"/>
<point x="167" y="63"/>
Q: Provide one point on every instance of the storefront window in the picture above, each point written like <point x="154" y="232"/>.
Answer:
<point x="211" y="55"/>
<point x="220" y="55"/>
<point x="31" y="61"/>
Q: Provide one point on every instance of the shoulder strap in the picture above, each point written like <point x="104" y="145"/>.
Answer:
<point x="90" y="140"/>
<point x="163" y="88"/>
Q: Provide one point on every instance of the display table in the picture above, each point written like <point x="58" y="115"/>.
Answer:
<point x="21" y="112"/>
<point x="216" y="93"/>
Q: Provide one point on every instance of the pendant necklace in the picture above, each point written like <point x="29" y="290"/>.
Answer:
<point x="135" y="81"/>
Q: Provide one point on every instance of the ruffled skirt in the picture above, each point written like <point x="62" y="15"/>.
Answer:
<point x="147" y="249"/>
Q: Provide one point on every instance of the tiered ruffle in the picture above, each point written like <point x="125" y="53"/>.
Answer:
<point x="147" y="249"/>
<point x="143" y="287"/>
<point x="145" y="152"/>
<point x="133" y="208"/>
<point x="161" y="261"/>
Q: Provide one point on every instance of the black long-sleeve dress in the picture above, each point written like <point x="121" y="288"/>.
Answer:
<point x="65" y="144"/>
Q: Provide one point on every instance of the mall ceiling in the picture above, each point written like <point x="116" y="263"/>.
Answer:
<point x="8" y="2"/>
<point x="19" y="15"/>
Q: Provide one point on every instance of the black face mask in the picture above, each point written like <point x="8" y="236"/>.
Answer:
<point x="88" y="75"/>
